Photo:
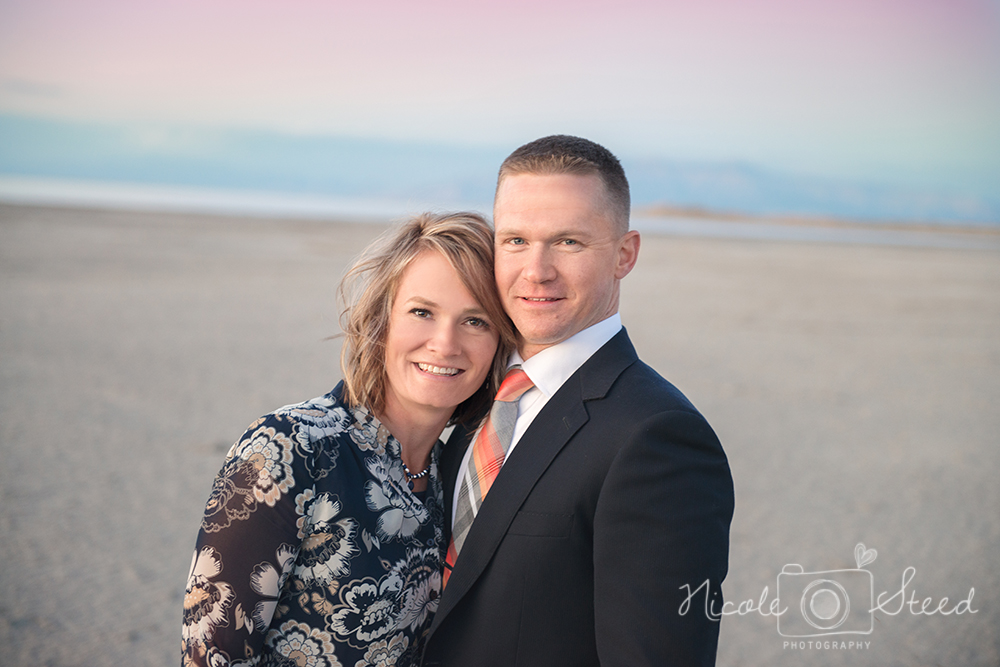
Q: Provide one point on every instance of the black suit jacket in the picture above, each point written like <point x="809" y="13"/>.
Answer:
<point x="616" y="496"/>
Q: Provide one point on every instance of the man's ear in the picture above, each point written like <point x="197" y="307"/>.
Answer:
<point x="628" y="253"/>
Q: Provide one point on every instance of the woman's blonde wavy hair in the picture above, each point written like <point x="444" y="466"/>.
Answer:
<point x="368" y="291"/>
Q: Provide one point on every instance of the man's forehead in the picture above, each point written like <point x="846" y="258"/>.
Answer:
<point x="571" y="201"/>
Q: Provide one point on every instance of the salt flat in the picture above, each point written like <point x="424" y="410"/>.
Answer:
<point x="854" y="388"/>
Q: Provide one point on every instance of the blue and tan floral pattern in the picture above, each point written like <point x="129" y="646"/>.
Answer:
<point x="420" y="574"/>
<point x="298" y="645"/>
<point x="266" y="580"/>
<point x="400" y="513"/>
<point x="313" y="550"/>
<point x="385" y="653"/>
<point x="327" y="545"/>
<point x="205" y="601"/>
<point x="368" y="611"/>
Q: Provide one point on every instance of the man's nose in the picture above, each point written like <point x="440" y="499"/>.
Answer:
<point x="539" y="267"/>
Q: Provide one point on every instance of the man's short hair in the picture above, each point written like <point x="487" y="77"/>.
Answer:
<point x="564" y="154"/>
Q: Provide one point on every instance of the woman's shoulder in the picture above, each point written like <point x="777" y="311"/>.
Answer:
<point x="326" y="414"/>
<point x="305" y="423"/>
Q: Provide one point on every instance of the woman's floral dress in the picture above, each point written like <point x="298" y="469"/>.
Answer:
<point x="313" y="550"/>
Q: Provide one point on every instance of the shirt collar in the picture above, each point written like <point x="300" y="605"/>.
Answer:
<point x="551" y="367"/>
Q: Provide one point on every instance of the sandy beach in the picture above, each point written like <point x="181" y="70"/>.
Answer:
<point x="854" y="387"/>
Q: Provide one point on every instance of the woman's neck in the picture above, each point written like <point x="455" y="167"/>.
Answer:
<point x="416" y="434"/>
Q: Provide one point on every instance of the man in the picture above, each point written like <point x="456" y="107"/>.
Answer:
<point x="614" y="492"/>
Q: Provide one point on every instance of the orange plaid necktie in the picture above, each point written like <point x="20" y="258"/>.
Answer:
<point x="488" y="453"/>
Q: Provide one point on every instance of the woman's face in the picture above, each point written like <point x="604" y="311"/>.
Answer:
<point x="440" y="345"/>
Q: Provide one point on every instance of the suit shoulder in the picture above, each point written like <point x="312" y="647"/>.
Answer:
<point x="660" y="426"/>
<point x="645" y="390"/>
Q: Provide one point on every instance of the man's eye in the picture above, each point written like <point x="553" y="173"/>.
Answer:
<point x="569" y="242"/>
<point x="516" y="241"/>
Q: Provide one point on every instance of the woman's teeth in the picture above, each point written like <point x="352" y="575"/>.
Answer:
<point x="437" y="370"/>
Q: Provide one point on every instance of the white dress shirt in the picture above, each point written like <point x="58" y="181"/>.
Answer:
<point x="548" y="369"/>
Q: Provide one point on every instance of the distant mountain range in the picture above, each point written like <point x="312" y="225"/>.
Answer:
<point x="394" y="170"/>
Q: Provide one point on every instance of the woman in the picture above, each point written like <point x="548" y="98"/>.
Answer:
<point x="322" y="542"/>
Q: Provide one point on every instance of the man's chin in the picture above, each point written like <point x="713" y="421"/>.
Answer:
<point x="535" y="341"/>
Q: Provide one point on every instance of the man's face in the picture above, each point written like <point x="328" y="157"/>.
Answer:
<point x="559" y="256"/>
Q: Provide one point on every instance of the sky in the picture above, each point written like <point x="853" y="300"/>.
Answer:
<point x="893" y="91"/>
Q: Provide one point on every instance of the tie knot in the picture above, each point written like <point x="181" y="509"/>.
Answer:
<point x="515" y="383"/>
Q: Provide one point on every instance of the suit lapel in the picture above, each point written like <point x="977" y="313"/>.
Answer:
<point x="559" y="420"/>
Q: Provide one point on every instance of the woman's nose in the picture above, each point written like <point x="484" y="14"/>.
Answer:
<point x="444" y="341"/>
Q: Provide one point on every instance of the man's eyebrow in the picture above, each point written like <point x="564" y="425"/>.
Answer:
<point x="575" y="232"/>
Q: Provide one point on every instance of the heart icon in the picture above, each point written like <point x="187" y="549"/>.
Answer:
<point x="863" y="556"/>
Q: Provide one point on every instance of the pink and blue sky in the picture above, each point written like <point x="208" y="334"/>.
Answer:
<point x="896" y="91"/>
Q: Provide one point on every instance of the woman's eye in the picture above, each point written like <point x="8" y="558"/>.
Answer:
<point x="420" y="312"/>
<point x="478" y="322"/>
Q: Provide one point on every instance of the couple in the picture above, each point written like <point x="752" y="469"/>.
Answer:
<point x="341" y="532"/>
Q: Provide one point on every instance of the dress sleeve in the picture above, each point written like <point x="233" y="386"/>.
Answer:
<point x="248" y="540"/>
<point x="662" y="522"/>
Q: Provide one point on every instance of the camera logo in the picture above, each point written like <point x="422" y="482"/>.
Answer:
<point x="835" y="602"/>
